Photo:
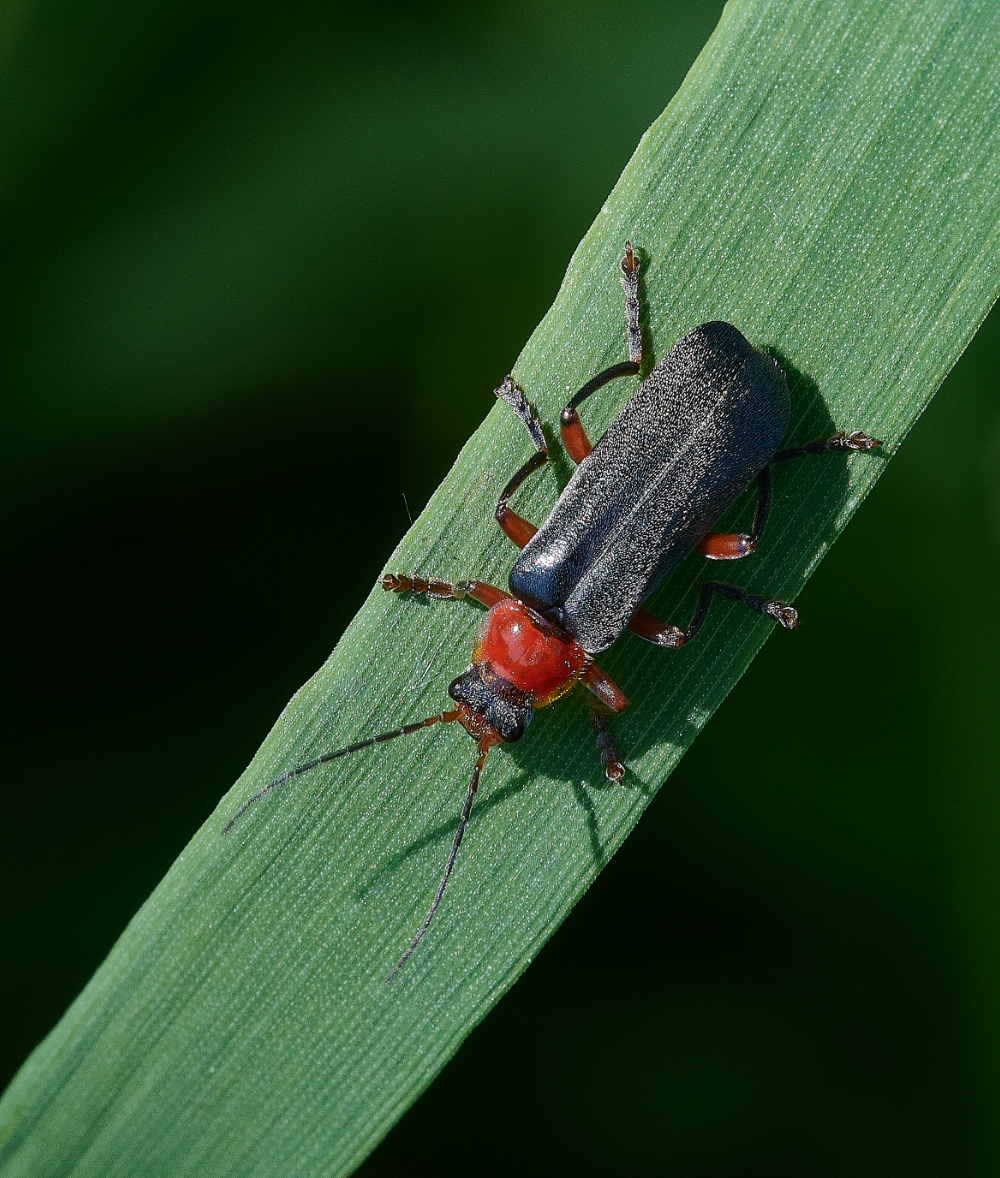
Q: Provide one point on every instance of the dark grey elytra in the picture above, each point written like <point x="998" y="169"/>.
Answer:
<point x="697" y="432"/>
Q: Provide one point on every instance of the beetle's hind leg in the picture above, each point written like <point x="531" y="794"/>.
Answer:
<point x="574" y="436"/>
<point x="736" y="545"/>
<point x="629" y="266"/>
<point x="653" y="630"/>
<point x="515" y="527"/>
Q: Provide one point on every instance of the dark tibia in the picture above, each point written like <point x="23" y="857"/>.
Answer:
<point x="573" y="434"/>
<point x="653" y="630"/>
<point x="515" y="527"/>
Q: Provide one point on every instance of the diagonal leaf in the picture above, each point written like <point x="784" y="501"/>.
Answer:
<point x="827" y="180"/>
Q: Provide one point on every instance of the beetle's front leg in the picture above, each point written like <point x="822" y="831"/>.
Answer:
<point x="653" y="630"/>
<point x="487" y="595"/>
<point x="611" y="762"/>
<point x="608" y="700"/>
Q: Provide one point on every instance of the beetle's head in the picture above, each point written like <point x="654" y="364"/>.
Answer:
<point x="489" y="702"/>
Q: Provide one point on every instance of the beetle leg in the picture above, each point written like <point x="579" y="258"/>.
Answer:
<point x="653" y="630"/>
<point x="516" y="528"/>
<point x="734" y="545"/>
<point x="600" y="684"/>
<point x="574" y="436"/>
<point x="611" y="762"/>
<point x="856" y="441"/>
<point x="609" y="699"/>
<point x="630" y="285"/>
<point x="487" y="595"/>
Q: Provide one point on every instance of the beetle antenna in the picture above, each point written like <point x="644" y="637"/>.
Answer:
<point x="441" y="718"/>
<point x="484" y="747"/>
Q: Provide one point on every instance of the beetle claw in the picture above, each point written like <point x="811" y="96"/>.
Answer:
<point x="785" y="614"/>
<point x="857" y="440"/>
<point x="614" y="770"/>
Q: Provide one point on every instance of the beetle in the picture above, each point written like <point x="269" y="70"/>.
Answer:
<point x="706" y="423"/>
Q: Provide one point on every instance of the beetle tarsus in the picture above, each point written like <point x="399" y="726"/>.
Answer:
<point x="432" y="587"/>
<point x="511" y="392"/>
<point x="842" y="442"/>
<point x="611" y="762"/>
<point x="630" y="285"/>
<point x="857" y="440"/>
<point x="787" y="615"/>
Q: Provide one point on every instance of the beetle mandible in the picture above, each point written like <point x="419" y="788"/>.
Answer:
<point x="705" y="423"/>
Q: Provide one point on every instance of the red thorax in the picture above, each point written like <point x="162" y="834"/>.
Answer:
<point x="530" y="653"/>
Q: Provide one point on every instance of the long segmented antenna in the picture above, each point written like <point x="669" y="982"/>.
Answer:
<point x="484" y="747"/>
<point x="441" y="718"/>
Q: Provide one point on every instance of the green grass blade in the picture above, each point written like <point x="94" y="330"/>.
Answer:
<point x="827" y="179"/>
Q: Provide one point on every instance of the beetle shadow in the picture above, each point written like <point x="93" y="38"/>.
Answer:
<point x="584" y="775"/>
<point x="581" y="791"/>
<point x="443" y="833"/>
<point x="584" y="779"/>
<point x="810" y="418"/>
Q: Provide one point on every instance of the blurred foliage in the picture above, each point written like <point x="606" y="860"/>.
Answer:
<point x="791" y="964"/>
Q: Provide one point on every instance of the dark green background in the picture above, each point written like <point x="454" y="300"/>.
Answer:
<point x="262" y="269"/>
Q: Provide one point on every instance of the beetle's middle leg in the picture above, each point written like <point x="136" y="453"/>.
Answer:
<point x="735" y="545"/>
<point x="653" y="630"/>
<point x="574" y="436"/>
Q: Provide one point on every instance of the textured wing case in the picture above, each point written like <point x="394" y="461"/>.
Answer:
<point x="698" y="431"/>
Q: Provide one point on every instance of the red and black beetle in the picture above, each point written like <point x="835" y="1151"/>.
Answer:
<point x="703" y="425"/>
